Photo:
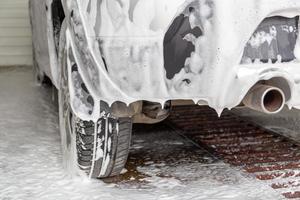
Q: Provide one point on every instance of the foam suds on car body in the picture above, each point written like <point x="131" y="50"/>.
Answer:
<point x="132" y="46"/>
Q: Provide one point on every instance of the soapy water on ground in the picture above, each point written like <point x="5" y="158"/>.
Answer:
<point x="162" y="164"/>
<point x="286" y="122"/>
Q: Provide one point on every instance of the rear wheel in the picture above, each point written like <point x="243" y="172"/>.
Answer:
<point x="38" y="74"/>
<point x="98" y="149"/>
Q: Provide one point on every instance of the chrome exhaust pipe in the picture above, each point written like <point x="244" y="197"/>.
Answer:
<point x="265" y="98"/>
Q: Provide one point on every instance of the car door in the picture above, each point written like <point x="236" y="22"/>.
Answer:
<point x="38" y="14"/>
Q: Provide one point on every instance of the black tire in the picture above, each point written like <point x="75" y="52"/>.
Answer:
<point x="38" y="74"/>
<point x="87" y="145"/>
<point x="100" y="149"/>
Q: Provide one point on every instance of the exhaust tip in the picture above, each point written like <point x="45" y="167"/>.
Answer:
<point x="273" y="101"/>
<point x="265" y="98"/>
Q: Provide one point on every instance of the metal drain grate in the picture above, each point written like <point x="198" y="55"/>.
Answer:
<point x="266" y="154"/>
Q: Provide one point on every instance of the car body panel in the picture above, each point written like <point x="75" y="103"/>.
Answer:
<point x="121" y="50"/>
<point x="40" y="46"/>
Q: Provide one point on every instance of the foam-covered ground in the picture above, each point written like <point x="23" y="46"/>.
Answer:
<point x="162" y="165"/>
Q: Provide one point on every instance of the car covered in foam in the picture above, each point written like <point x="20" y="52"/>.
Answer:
<point x="118" y="62"/>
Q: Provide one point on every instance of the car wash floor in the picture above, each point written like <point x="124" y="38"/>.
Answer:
<point x="193" y="155"/>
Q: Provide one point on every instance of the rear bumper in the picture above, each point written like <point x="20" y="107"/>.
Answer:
<point x="130" y="67"/>
<point x="250" y="74"/>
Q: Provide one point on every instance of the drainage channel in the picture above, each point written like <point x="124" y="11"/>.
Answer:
<point x="268" y="156"/>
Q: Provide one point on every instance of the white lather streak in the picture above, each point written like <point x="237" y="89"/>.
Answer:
<point x="105" y="156"/>
<point x="94" y="149"/>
